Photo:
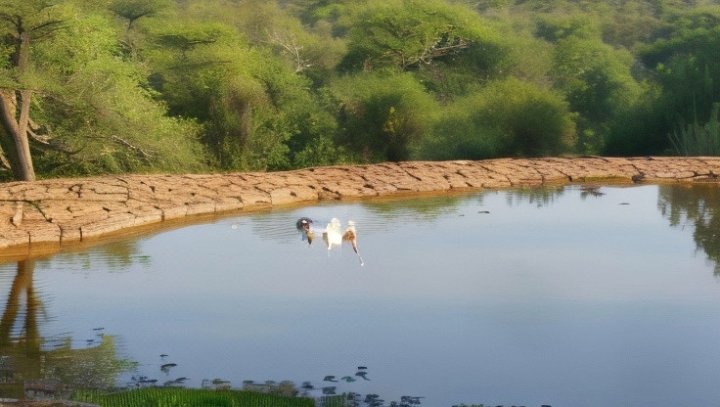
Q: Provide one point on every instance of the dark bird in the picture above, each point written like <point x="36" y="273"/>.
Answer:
<point x="348" y="379"/>
<point x="307" y="386"/>
<point x="304" y="225"/>
<point x="362" y="374"/>
<point x="330" y="379"/>
<point x="163" y="356"/>
<point x="362" y="367"/>
<point x="167" y="366"/>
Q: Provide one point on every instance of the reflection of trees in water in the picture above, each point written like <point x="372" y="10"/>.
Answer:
<point x="380" y="215"/>
<point x="30" y="365"/>
<point x="22" y="289"/>
<point x="114" y="257"/>
<point x="331" y="397"/>
<point x="544" y="196"/>
<point x="376" y="215"/>
<point x="537" y="196"/>
<point x="418" y="209"/>
<point x="696" y="205"/>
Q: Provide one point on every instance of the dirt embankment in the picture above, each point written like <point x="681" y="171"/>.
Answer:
<point x="55" y="212"/>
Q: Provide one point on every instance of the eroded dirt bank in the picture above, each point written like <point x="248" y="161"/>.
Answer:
<point x="58" y="211"/>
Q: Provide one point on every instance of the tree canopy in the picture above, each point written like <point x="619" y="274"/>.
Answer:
<point x="111" y="86"/>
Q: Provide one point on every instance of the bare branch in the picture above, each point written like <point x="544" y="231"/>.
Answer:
<point x="44" y="142"/>
<point x="291" y="47"/>
<point x="135" y="148"/>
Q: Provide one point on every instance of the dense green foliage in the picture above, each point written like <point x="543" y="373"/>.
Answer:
<point x="106" y="86"/>
<point x="175" y="397"/>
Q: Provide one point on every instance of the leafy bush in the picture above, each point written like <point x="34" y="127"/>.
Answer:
<point x="507" y="117"/>
<point x="382" y="113"/>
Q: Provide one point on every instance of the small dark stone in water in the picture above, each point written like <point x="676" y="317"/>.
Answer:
<point x="483" y="211"/>
<point x="624" y="203"/>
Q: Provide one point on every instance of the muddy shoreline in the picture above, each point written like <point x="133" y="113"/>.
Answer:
<point x="46" y="215"/>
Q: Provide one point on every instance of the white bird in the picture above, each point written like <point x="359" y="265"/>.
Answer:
<point x="333" y="233"/>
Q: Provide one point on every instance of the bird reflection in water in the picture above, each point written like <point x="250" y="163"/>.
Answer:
<point x="332" y="234"/>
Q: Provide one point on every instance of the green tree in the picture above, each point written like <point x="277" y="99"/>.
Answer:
<point x="72" y="106"/>
<point x="686" y="62"/>
<point x="506" y="118"/>
<point x="682" y="65"/>
<point x="133" y="10"/>
<point x="598" y="84"/>
<point x="22" y="23"/>
<point x="407" y="34"/>
<point x="382" y="114"/>
<point x="251" y="100"/>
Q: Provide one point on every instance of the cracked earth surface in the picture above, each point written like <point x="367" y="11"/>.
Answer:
<point x="59" y="211"/>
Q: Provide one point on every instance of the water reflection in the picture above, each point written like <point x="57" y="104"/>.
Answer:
<point x="696" y="206"/>
<point x="32" y="366"/>
<point x="539" y="197"/>
<point x="114" y="257"/>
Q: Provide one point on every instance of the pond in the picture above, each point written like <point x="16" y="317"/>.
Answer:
<point x="573" y="296"/>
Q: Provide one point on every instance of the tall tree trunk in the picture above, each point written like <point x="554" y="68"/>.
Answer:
<point x="17" y="127"/>
<point x="22" y="144"/>
<point x="9" y="122"/>
<point x="16" y="123"/>
<point x="21" y="286"/>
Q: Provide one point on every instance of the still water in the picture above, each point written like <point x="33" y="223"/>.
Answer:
<point x="564" y="297"/>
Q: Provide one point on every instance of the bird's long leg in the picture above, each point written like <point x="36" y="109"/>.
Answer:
<point x="355" y="248"/>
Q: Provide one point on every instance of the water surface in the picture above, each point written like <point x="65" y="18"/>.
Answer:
<point x="566" y="297"/>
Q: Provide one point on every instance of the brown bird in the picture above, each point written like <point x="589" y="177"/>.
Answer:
<point x="351" y="236"/>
